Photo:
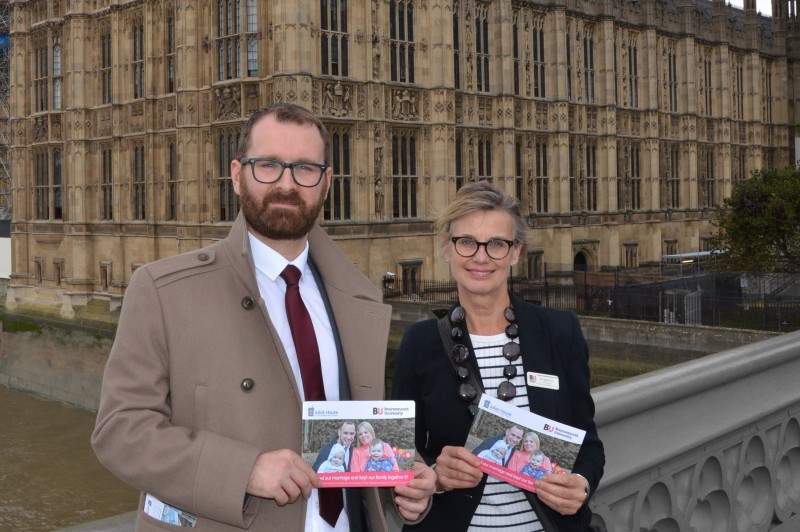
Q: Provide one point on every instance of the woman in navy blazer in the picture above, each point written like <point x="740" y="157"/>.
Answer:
<point x="478" y="221"/>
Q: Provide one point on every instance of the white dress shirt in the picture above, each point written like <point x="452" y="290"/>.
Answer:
<point x="269" y="265"/>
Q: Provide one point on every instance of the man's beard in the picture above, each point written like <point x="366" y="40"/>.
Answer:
<point x="280" y="223"/>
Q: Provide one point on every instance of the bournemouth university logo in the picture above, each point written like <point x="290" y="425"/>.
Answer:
<point x="377" y="411"/>
<point x="549" y="428"/>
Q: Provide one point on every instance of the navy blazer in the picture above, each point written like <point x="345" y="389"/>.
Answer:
<point x="552" y="343"/>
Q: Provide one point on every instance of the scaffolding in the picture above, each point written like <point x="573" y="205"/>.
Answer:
<point x="5" y="114"/>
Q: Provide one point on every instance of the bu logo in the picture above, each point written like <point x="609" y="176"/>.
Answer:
<point x="377" y="411"/>
<point x="549" y="428"/>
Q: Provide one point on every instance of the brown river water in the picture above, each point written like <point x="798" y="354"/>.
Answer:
<point x="49" y="476"/>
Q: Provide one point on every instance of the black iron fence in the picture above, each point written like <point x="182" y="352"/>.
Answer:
<point x="711" y="299"/>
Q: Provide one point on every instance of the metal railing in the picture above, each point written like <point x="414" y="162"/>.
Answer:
<point x="712" y="300"/>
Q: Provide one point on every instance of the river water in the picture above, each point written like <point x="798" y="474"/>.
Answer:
<point x="49" y="476"/>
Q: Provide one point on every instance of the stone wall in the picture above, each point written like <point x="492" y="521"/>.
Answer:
<point x="66" y="363"/>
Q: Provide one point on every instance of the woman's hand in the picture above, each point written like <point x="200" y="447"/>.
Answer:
<point x="563" y="493"/>
<point x="457" y="468"/>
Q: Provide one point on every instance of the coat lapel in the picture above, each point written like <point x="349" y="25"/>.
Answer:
<point x="537" y="356"/>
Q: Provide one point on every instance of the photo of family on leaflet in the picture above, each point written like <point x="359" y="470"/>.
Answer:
<point x="518" y="448"/>
<point x="358" y="452"/>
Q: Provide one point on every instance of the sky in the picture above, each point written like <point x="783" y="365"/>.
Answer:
<point x="764" y="6"/>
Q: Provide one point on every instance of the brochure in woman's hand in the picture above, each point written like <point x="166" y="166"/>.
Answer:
<point x="352" y="444"/>
<point x="520" y="447"/>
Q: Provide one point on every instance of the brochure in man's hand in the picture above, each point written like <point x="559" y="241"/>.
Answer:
<point x="352" y="444"/>
<point x="520" y="447"/>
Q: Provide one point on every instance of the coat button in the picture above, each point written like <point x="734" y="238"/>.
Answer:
<point x="248" y="303"/>
<point x="248" y="385"/>
<point x="202" y="257"/>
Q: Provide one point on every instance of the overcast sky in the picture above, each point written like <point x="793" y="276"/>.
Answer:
<point x="765" y="6"/>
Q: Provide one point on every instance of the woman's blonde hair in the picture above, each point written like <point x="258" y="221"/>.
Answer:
<point x="532" y="435"/>
<point x="367" y="425"/>
<point x="481" y="196"/>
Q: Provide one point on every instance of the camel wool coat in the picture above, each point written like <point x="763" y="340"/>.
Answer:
<point x="197" y="384"/>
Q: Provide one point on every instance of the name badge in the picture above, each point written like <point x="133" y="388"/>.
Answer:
<point x="543" y="380"/>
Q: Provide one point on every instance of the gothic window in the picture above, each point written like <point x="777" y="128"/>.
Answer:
<point x="672" y="63"/>
<point x="738" y="88"/>
<point x="138" y="59"/>
<point x="139" y="184"/>
<point x="172" y="184"/>
<point x="670" y="247"/>
<point x="107" y="185"/>
<point x="482" y="48"/>
<point x="105" y="66"/>
<point x="636" y="177"/>
<point x="338" y="203"/>
<point x="588" y="68"/>
<point x="633" y="74"/>
<point x="404" y="172"/>
<point x="573" y="182"/>
<point x="591" y="176"/>
<point x="705" y="82"/>
<point x="42" y="163"/>
<point x="767" y="91"/>
<point x="228" y="200"/>
<point x="456" y="49"/>
<point x="631" y="250"/>
<point x="334" y="37"/>
<point x="540" y="153"/>
<point x="58" y="203"/>
<point x="252" y="38"/>
<point x="518" y="179"/>
<point x="674" y="177"/>
<point x="40" y="79"/>
<point x="485" y="158"/>
<point x="57" y="73"/>
<point x="515" y="51"/>
<point x="170" y="59"/>
<point x="228" y="41"/>
<point x="459" y="160"/>
<point x="568" y="51"/>
<point x="536" y="265"/>
<point x="539" y="64"/>
<point x="708" y="177"/>
<point x="401" y="37"/>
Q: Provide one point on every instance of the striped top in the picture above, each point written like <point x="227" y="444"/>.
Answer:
<point x="502" y="506"/>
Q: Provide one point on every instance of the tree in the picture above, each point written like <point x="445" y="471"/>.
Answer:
<point x="758" y="227"/>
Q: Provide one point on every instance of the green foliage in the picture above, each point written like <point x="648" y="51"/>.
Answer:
<point x="758" y="227"/>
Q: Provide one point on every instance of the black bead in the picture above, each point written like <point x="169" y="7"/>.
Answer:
<point x="511" y="351"/>
<point x="510" y="315"/>
<point x="456" y="334"/>
<point x="460" y="353"/>
<point x="467" y="391"/>
<point x="512" y="330"/>
<point x="457" y="316"/>
<point x="509" y="372"/>
<point x="506" y="391"/>
<point x="462" y="373"/>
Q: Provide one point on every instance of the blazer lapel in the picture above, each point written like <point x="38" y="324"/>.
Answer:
<point x="536" y="355"/>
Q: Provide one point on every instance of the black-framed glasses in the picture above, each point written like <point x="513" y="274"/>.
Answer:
<point x="496" y="248"/>
<point x="269" y="171"/>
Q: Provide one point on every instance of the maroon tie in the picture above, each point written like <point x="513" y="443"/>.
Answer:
<point x="331" y="500"/>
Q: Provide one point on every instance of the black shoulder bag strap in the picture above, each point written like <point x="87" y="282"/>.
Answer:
<point x="447" y="340"/>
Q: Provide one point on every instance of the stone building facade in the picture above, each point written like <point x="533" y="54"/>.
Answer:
<point x="619" y="124"/>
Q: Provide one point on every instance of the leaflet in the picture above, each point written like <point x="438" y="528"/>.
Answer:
<point x="520" y="447"/>
<point x="353" y="444"/>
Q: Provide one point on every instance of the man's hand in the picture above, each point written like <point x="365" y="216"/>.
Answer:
<point x="412" y="500"/>
<point x="563" y="493"/>
<point x="283" y="476"/>
<point x="457" y="468"/>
